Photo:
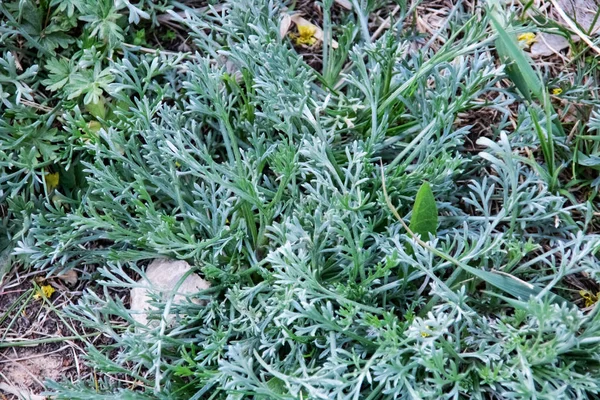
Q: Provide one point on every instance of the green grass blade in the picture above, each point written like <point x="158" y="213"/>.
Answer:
<point x="520" y="70"/>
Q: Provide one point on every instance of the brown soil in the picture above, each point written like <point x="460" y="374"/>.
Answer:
<point x="36" y="339"/>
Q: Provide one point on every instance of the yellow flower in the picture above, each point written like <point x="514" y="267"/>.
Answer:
<point x="306" y="34"/>
<point x="51" y="181"/>
<point x="45" y="291"/>
<point x="556" y="91"/>
<point x="425" y="334"/>
<point x="589" y="297"/>
<point x="528" y="38"/>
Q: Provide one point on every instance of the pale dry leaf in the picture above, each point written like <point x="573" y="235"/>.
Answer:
<point x="70" y="277"/>
<point x="344" y="3"/>
<point x="284" y="25"/>
<point x="163" y="276"/>
<point x="230" y="67"/>
<point x="581" y="11"/>
<point x="299" y="21"/>
<point x="547" y="44"/>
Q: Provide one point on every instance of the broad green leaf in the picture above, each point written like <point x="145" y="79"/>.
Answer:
<point x="510" y="284"/>
<point x="424" y="219"/>
<point x="277" y="385"/>
<point x="513" y="72"/>
<point x="519" y="68"/>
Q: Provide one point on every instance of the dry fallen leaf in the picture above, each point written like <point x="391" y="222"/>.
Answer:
<point x="547" y="44"/>
<point x="284" y="25"/>
<point x="581" y="11"/>
<point x="345" y="3"/>
<point x="70" y="277"/>
<point x="163" y="276"/>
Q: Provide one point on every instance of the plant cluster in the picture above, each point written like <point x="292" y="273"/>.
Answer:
<point x="283" y="185"/>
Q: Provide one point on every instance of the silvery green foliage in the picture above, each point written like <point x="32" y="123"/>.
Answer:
<point x="55" y="76"/>
<point x="239" y="161"/>
<point x="14" y="84"/>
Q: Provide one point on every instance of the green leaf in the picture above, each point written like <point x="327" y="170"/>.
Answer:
<point x="277" y="385"/>
<point x="424" y="219"/>
<point x="509" y="284"/>
<point x="519" y="68"/>
<point x="97" y="108"/>
<point x="59" y="71"/>
<point x="513" y="72"/>
<point x="592" y="160"/>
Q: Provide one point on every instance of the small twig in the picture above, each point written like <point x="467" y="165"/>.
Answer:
<point x="385" y="24"/>
<point x="26" y="343"/>
<point x="573" y="132"/>
<point x="36" y="105"/>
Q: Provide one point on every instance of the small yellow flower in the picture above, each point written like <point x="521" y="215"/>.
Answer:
<point x="306" y="35"/>
<point x="425" y="334"/>
<point x="51" y="181"/>
<point x="44" y="291"/>
<point x="589" y="297"/>
<point x="528" y="38"/>
<point x="556" y="91"/>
